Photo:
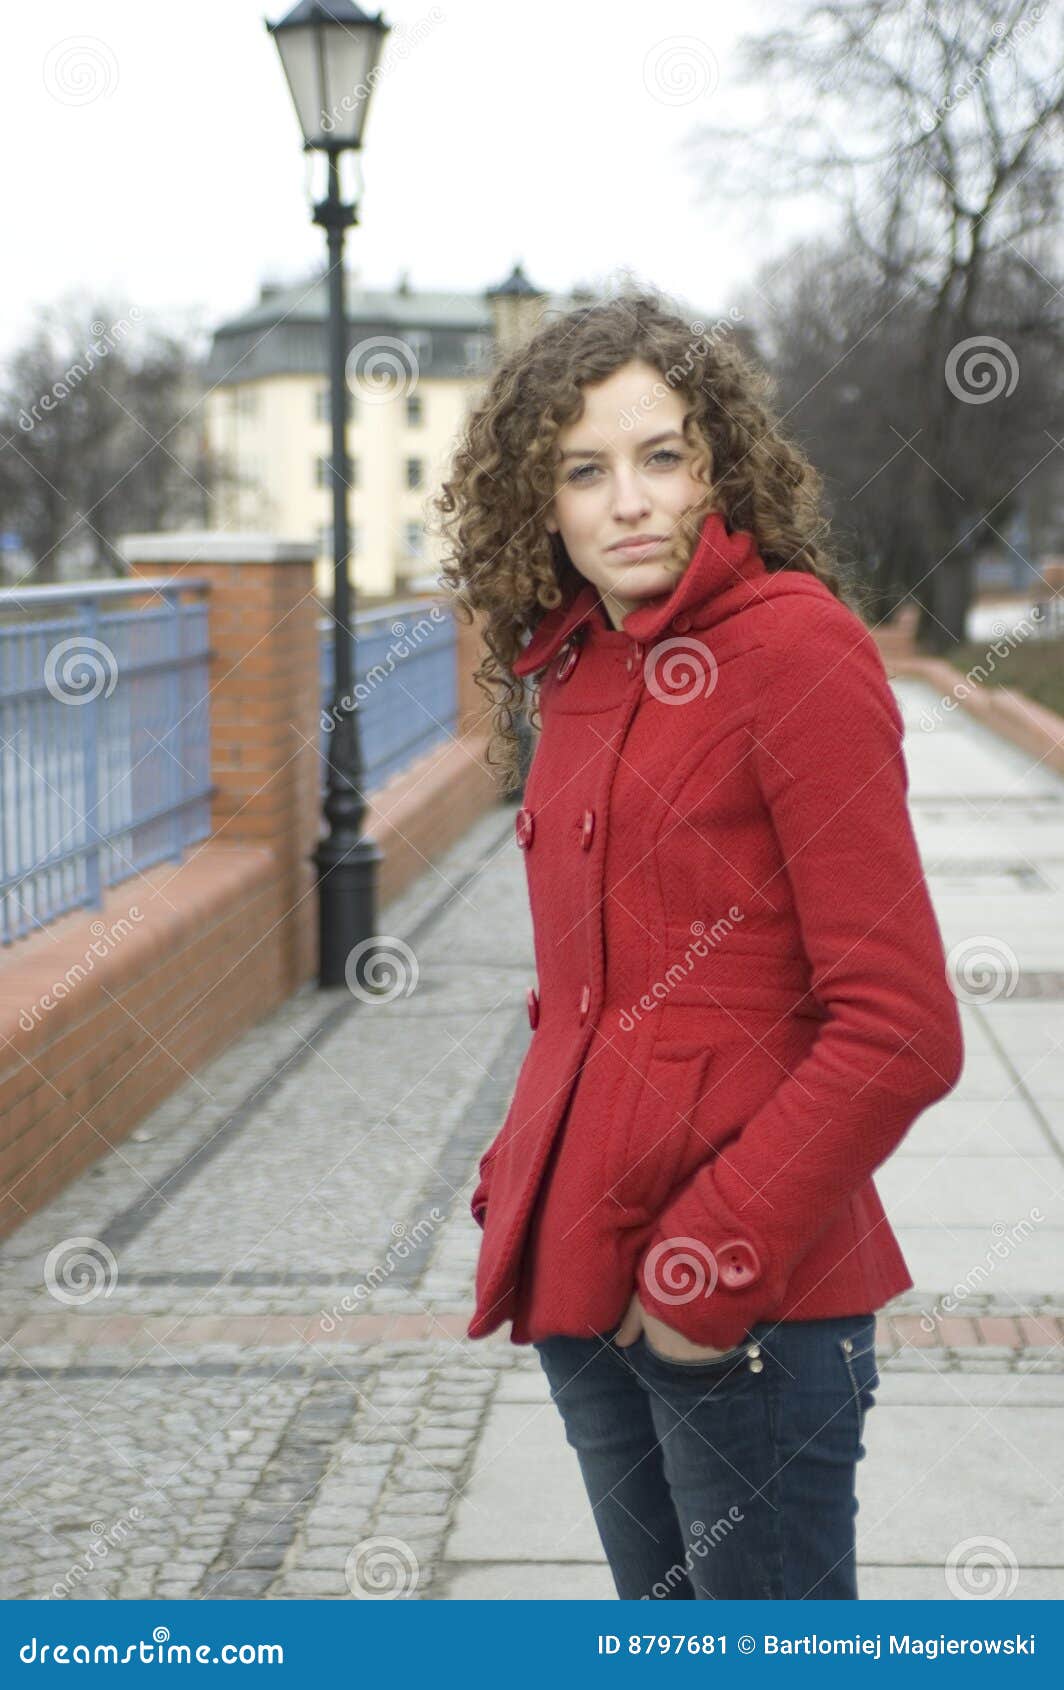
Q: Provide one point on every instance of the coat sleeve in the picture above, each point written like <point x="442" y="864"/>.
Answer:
<point x="827" y="750"/>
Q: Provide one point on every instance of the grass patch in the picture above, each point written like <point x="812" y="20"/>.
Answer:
<point x="1035" y="668"/>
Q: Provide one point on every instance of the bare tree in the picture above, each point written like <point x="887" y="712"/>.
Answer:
<point x="936" y="130"/>
<point x="100" y="434"/>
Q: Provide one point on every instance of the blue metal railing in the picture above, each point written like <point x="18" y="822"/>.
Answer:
<point x="104" y="740"/>
<point x="406" y="685"/>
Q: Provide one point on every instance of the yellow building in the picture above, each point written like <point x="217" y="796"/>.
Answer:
<point x="415" y="361"/>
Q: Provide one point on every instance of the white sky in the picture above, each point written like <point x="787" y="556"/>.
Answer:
<point x="501" y="132"/>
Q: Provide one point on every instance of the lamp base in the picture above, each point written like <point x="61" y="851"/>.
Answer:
<point x="347" y="906"/>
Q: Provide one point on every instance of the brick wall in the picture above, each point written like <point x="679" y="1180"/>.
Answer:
<point x="188" y="956"/>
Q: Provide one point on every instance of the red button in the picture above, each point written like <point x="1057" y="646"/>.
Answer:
<point x="588" y="831"/>
<point x="524" y="827"/>
<point x="738" y="1262"/>
<point x="585" y="1002"/>
<point x="635" y="657"/>
<point x="533" y="1006"/>
<point x="681" y="622"/>
<point x="568" y="662"/>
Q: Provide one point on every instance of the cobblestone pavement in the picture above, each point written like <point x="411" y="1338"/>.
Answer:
<point x="233" y="1359"/>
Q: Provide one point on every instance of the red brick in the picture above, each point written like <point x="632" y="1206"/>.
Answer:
<point x="1040" y="1332"/>
<point x="957" y="1331"/>
<point x="910" y="1330"/>
<point x="999" y="1329"/>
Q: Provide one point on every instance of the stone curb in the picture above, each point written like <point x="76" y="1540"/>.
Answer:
<point x="88" y="1332"/>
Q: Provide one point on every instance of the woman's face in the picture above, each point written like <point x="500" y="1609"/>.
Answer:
<point x="627" y="471"/>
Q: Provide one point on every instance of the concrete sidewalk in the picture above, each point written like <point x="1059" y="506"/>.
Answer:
<point x="197" y="1414"/>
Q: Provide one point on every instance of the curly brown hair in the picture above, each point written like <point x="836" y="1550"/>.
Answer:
<point x="503" y="562"/>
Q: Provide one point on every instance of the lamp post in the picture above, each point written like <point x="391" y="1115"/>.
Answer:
<point x="329" y="51"/>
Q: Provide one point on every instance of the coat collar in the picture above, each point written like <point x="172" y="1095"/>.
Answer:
<point x="720" y="560"/>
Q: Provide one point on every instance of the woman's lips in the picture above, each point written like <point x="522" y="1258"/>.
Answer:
<point x="640" y="548"/>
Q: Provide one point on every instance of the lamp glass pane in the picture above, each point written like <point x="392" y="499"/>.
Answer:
<point x="328" y="72"/>
<point x="351" y="55"/>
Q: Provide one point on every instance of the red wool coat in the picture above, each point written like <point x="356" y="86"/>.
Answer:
<point x="741" y="1002"/>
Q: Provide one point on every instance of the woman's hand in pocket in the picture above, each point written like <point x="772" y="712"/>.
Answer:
<point x="664" y="1339"/>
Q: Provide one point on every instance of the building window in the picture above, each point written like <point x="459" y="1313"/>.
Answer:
<point x="476" y="348"/>
<point x="413" y="540"/>
<point x="414" y="472"/>
<point x="322" y="478"/>
<point x="415" y="410"/>
<point x="322" y="412"/>
<point x="420" y="344"/>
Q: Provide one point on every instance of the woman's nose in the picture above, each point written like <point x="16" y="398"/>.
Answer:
<point x="629" y="496"/>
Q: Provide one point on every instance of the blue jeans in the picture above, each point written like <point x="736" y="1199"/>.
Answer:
<point x="723" y="1479"/>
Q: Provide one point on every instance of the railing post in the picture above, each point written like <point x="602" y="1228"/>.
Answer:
<point x="171" y="599"/>
<point x="90" y="729"/>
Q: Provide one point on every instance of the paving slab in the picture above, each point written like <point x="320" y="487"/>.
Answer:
<point x="985" y="1128"/>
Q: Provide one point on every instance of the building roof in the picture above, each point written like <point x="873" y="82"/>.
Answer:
<point x="452" y="334"/>
<point x="284" y="332"/>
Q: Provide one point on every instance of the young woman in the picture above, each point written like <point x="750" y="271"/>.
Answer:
<point x="741" y="1002"/>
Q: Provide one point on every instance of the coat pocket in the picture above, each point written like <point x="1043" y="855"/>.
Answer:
<point x="658" y="1129"/>
<point x="479" y="1200"/>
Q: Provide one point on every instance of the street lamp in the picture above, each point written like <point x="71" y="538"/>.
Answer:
<point x="329" y="53"/>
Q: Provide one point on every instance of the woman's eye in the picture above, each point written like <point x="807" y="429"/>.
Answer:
<point x="662" y="452"/>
